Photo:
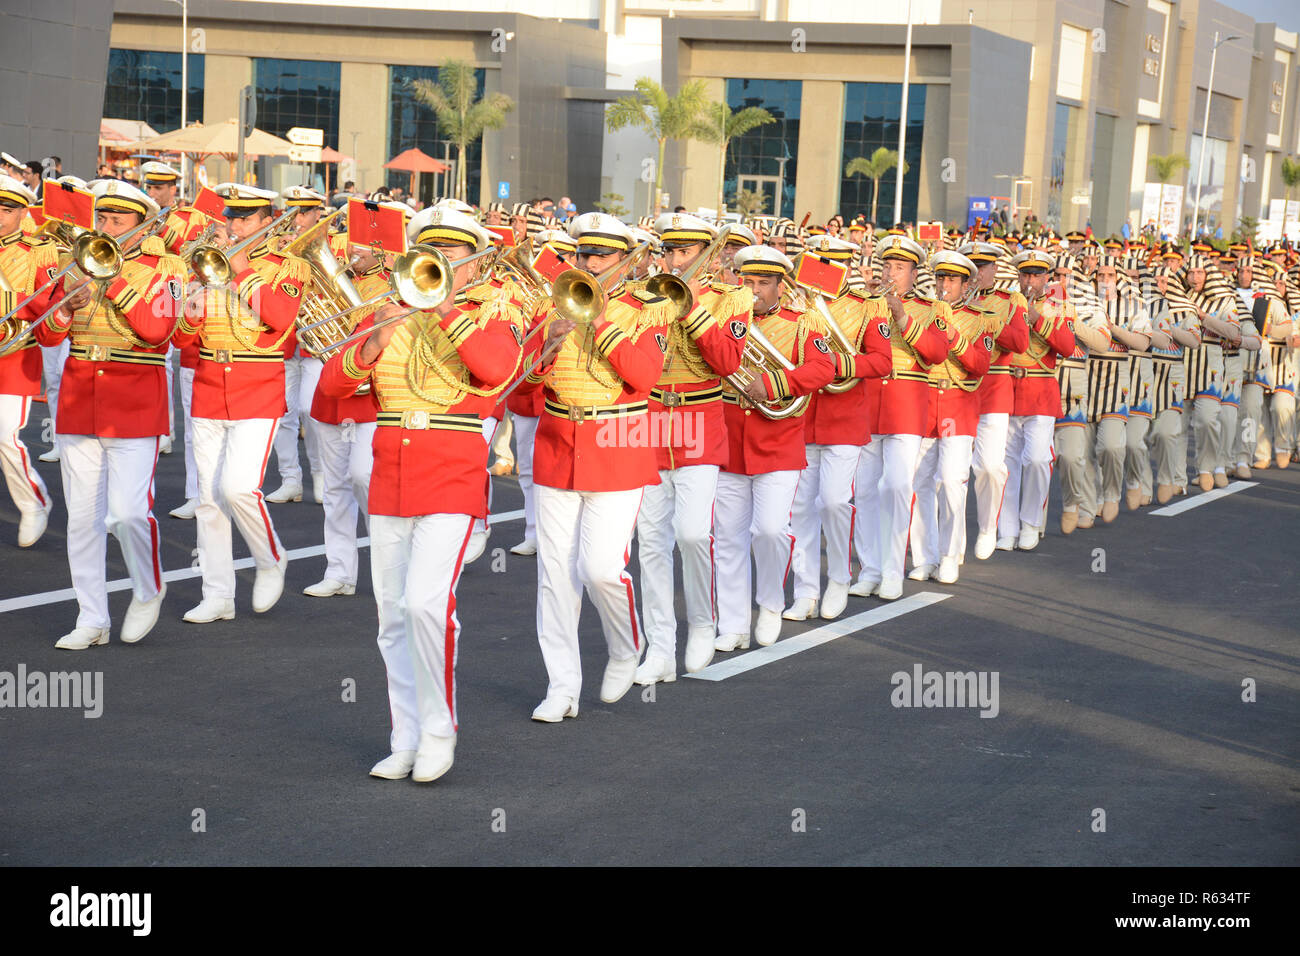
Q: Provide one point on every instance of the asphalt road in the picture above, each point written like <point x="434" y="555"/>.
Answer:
<point x="1120" y="691"/>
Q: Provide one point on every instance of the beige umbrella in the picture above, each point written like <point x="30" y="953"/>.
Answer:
<point x="220" y="139"/>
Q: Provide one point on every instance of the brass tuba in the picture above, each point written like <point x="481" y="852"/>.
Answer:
<point x="760" y="356"/>
<point x="330" y="291"/>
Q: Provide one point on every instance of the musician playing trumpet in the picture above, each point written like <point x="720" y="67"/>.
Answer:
<point x="436" y="376"/>
<point x="112" y="415"/>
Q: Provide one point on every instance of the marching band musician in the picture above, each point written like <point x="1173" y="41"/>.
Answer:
<point x="591" y="462"/>
<point x="837" y="427"/>
<point x="1174" y="317"/>
<point x="1037" y="404"/>
<point x="937" y="540"/>
<point x="690" y="448"/>
<point x="1216" y="310"/>
<point x="1277" y="373"/>
<point x="1073" y="441"/>
<point x="113" y="412"/>
<point x="757" y="485"/>
<point x="238" y="400"/>
<point x="434" y="376"/>
<point x="26" y="263"/>
<point x="161" y="183"/>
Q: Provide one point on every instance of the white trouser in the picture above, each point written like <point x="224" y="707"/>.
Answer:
<point x="52" y="362"/>
<point x="824" y="501"/>
<point x="583" y="539"/>
<point x="300" y="378"/>
<point x="187" y="400"/>
<point x="490" y="426"/>
<point x="899" y="455"/>
<point x="108" y="487"/>
<point x="414" y="566"/>
<point x="989" y="464"/>
<point x="233" y="453"/>
<point x="25" y="485"/>
<point x="525" y="432"/>
<point x="346" y="457"/>
<point x="866" y="502"/>
<point x="752" y="510"/>
<point x="1029" y="474"/>
<point x="677" y="510"/>
<point x="940" y="513"/>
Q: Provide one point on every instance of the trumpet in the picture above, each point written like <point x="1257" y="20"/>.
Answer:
<point x="677" y="287"/>
<point x="212" y="265"/>
<point x="760" y="356"/>
<point x="839" y="341"/>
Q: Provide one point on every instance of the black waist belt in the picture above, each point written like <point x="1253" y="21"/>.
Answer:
<point x="420" y="420"/>
<point x="103" y="353"/>
<point x="671" y="399"/>
<point x="225" y="355"/>
<point x="580" y="413"/>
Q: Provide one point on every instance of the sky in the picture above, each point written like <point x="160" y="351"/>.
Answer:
<point x="1285" y="13"/>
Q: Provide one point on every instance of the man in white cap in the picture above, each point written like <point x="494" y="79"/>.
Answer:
<point x="238" y="400"/>
<point x="756" y="487"/>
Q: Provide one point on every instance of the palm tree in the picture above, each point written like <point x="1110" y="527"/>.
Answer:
<point x="720" y="125"/>
<point x="881" y="162"/>
<point x="1166" y="168"/>
<point x="1290" y="179"/>
<point x="662" y="116"/>
<point x="461" y="117"/>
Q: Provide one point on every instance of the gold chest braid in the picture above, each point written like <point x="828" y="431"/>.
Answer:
<point x="787" y="336"/>
<point x="683" y="362"/>
<point x="923" y="312"/>
<point x="1032" y="357"/>
<point x="582" y="376"/>
<point x="973" y="326"/>
<point x="231" y="324"/>
<point x="101" y="322"/>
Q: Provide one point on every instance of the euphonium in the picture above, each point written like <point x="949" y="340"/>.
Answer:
<point x="760" y="356"/>
<point x="517" y="264"/>
<point x="329" y="293"/>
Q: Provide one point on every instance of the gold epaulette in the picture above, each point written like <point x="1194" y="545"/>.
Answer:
<point x="859" y="294"/>
<point x="153" y="246"/>
<point x="42" y="251"/>
<point x="292" y="269"/>
<point x="652" y="310"/>
<point x="734" y="299"/>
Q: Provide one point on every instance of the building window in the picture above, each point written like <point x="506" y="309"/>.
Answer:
<point x="145" y="86"/>
<point x="412" y="124"/>
<point x="764" y="160"/>
<point x="1069" y="75"/>
<point x="871" y="117"/>
<point x="1213" y="180"/>
<point x="1061" y="132"/>
<point x="298" y="93"/>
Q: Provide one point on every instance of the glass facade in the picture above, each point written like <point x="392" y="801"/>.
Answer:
<point x="872" y="113"/>
<point x="145" y="86"/>
<point x="764" y="159"/>
<point x="298" y="93"/>
<point x="413" y="124"/>
<point x="1060" y="147"/>
<point x="1213" y="180"/>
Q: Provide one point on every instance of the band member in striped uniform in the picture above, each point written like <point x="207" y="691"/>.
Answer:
<point x="113" y="413"/>
<point x="1173" y="315"/>
<point x="435" y="376"/>
<point x="757" y="485"/>
<point x="1216" y="308"/>
<point x="1075" y="459"/>
<point x="1277" y="371"/>
<point x="837" y="428"/>
<point x="1006" y="309"/>
<point x="26" y="264"/>
<point x="690" y="447"/>
<point x="939" y="514"/>
<point x="1037" y="404"/>
<point x="238" y="400"/>
<point x="592" y="458"/>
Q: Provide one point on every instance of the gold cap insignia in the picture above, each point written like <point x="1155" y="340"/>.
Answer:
<point x="677" y="222"/>
<point x="111" y="189"/>
<point x="436" y="218"/>
<point x="826" y="244"/>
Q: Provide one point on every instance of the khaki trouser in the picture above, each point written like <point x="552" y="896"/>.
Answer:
<point x="1277" y="428"/>
<point x="1168" y="442"/>
<point x="1106" y="443"/>
<point x="1074" y="465"/>
<point x="1137" y="458"/>
<point x="1209" y="427"/>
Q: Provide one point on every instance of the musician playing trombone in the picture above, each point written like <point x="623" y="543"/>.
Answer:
<point x="244" y="316"/>
<point x="113" y="413"/>
<point x="436" y="367"/>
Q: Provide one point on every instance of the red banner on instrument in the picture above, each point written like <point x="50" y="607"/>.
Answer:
<point x="929" y="231"/>
<point x="826" y="277"/>
<point x="549" y="265"/>
<point x="66" y="203"/>
<point x="505" y="235"/>
<point x="370" y="224"/>
<point x="209" y="203"/>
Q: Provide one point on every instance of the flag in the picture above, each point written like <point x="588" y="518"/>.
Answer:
<point x="369" y="224"/>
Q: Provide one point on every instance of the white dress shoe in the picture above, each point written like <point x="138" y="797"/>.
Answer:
<point x="891" y="589"/>
<point x="947" y="573"/>
<point x="985" y="544"/>
<point x="328" y="588"/>
<point x="477" y="545"/>
<point x="835" y="600"/>
<point x="656" y="668"/>
<point x="434" y="758"/>
<point x="186" y="510"/>
<point x="211" y="609"/>
<point x="768" y="627"/>
<point x="82" y="638"/>
<point x="31" y="526"/>
<point x="165" y="446"/>
<point x="800" y="610"/>
<point x="318" y="488"/>
<point x="618" y="680"/>
<point x="51" y="456"/>
<point x="396" y="766"/>
<point x="699" y="647"/>
<point x="289" y="491"/>
<point x="525" y="548"/>
<point x="865" y="587"/>
<point x="141" y="616"/>
<point x="1006" y="544"/>
<point x="268" y="586"/>
<point x="555" y="709"/>
<point x="921" y="573"/>
<point x="731" y="642"/>
<point x="1028" y="539"/>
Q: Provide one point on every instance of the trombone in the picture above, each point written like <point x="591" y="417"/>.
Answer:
<point x="212" y="265"/>
<point x="839" y="341"/>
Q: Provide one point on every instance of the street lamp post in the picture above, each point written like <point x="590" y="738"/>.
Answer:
<point x="185" y="79"/>
<point x="1205" y="126"/>
<point x="902" y="118"/>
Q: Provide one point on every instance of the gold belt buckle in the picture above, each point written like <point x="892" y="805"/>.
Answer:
<point x="672" y="399"/>
<point x="221" y="355"/>
<point x="417" y="419"/>
<point x="1017" y="372"/>
<point x="97" y="353"/>
<point x="944" y="383"/>
<point x="577" y="414"/>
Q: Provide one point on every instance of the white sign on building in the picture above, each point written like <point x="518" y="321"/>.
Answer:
<point x="1170" y="205"/>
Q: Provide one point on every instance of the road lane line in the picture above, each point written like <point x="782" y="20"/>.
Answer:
<point x="732" y="666"/>
<point x="1168" y="511"/>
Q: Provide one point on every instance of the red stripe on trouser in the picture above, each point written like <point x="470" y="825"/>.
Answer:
<point x="789" y="516"/>
<point x="22" y="454"/>
<point x="261" y="504"/>
<point x="449" y="632"/>
<point x="713" y="567"/>
<point x="627" y="578"/>
<point x="153" y="522"/>
<point x="853" y="520"/>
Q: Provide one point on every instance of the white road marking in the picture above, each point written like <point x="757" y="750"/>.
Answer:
<point x="731" y="666"/>
<point x="1168" y="511"/>
<point x="181" y="574"/>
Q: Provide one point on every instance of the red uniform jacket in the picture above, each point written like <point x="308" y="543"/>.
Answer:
<point x="362" y="407"/>
<point x="1007" y="312"/>
<point x="954" y="395"/>
<point x="847" y="418"/>
<point x="182" y="226"/>
<point x="920" y="342"/>
<point x="527" y="401"/>
<point x="27" y="264"/>
<point x="1034" y="370"/>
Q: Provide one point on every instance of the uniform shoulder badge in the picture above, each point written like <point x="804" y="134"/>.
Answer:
<point x="883" y="329"/>
<point x="662" y="341"/>
<point x="519" y="336"/>
<point x="737" y="328"/>
<point x="940" y="324"/>
<point x="292" y="291"/>
<point x="988" y="343"/>
<point x="820" y="344"/>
